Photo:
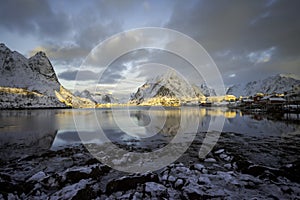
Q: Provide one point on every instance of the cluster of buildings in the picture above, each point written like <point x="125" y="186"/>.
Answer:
<point x="288" y="101"/>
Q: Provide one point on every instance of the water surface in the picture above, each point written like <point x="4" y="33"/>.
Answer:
<point x="26" y="131"/>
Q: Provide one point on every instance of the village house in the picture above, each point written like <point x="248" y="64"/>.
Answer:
<point x="257" y="97"/>
<point x="273" y="99"/>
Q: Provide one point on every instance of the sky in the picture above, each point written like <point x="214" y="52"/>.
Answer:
<point x="247" y="40"/>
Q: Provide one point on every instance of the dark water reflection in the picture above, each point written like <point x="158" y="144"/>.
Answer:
<point x="25" y="131"/>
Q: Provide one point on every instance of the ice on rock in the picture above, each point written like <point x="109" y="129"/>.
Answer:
<point x="228" y="166"/>
<point x="155" y="189"/>
<point x="179" y="183"/>
<point x="38" y="176"/>
<point x="219" y="151"/>
<point x="210" y="160"/>
<point x="199" y="166"/>
<point x="171" y="179"/>
<point x="204" y="180"/>
<point x="70" y="191"/>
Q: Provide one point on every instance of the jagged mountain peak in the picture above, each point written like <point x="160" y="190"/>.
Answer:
<point x="3" y="47"/>
<point x="289" y="75"/>
<point x="31" y="82"/>
<point x="206" y="91"/>
<point x="97" y="97"/>
<point x="40" y="54"/>
<point x="34" y="74"/>
<point x="40" y="63"/>
<point x="170" y="75"/>
<point x="169" y="85"/>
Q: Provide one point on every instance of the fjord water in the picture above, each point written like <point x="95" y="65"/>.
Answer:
<point x="24" y="132"/>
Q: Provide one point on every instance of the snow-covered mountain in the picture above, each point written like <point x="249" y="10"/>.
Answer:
<point x="32" y="83"/>
<point x="279" y="83"/>
<point x="85" y="94"/>
<point x="169" y="86"/>
<point x="206" y="91"/>
<point x="97" y="97"/>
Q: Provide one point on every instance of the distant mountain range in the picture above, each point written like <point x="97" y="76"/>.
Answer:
<point x="206" y="91"/>
<point x="28" y="83"/>
<point x="279" y="83"/>
<point x="98" y="98"/>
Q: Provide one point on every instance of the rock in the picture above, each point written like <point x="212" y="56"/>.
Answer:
<point x="4" y="177"/>
<point x="38" y="176"/>
<point x="286" y="189"/>
<point x="85" y="193"/>
<point x="242" y="164"/>
<point x="199" y="167"/>
<point x="258" y="170"/>
<point x="192" y="191"/>
<point x="292" y="171"/>
<point x="214" y="193"/>
<point x="70" y="191"/>
<point x="246" y="179"/>
<point x="130" y="182"/>
<point x="137" y="196"/>
<point x="86" y="178"/>
<point x="174" y="194"/>
<point x="204" y="180"/>
<point x="92" y="161"/>
<point x="210" y="160"/>
<point x="126" y="196"/>
<point x="99" y="170"/>
<point x="11" y="196"/>
<point x="227" y="177"/>
<point x="7" y="187"/>
<point x="171" y="179"/>
<point x="219" y="151"/>
<point x="223" y="155"/>
<point x="164" y="177"/>
<point x="289" y="165"/>
<point x="179" y="183"/>
<point x="156" y="189"/>
<point x="228" y="166"/>
<point x="76" y="176"/>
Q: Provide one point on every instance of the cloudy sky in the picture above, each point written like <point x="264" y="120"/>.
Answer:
<point x="247" y="40"/>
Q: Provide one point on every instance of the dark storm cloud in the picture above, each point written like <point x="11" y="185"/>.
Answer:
<point x="84" y="75"/>
<point x="226" y="24"/>
<point x="240" y="34"/>
<point x="107" y="77"/>
<point x="246" y="39"/>
<point x="110" y="78"/>
<point x="32" y="17"/>
<point x="63" y="54"/>
<point x="55" y="25"/>
<point x="280" y="28"/>
<point x="216" y="25"/>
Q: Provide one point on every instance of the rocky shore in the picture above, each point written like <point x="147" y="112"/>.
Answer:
<point x="239" y="167"/>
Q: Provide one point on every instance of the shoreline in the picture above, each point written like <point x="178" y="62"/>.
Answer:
<point x="237" y="167"/>
<point x="104" y="106"/>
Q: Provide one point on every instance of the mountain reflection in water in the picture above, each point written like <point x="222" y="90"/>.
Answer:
<point x="28" y="131"/>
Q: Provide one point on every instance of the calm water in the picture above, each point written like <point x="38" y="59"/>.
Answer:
<point x="26" y="131"/>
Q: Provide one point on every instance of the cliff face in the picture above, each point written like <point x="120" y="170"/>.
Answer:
<point x="27" y="83"/>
